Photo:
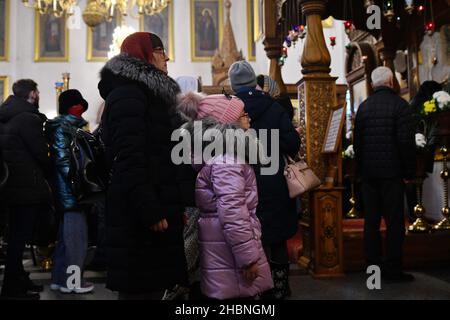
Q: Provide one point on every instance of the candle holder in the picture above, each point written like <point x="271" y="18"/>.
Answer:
<point x="350" y="166"/>
<point x="59" y="88"/>
<point x="352" y="213"/>
<point x="420" y="225"/>
<point x="66" y="80"/>
<point x="444" y="224"/>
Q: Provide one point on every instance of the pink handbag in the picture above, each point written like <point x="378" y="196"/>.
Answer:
<point x="299" y="177"/>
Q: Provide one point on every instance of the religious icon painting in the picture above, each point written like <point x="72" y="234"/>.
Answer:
<point x="206" y="28"/>
<point x="51" y="38"/>
<point x="3" y="88"/>
<point x="4" y="30"/>
<point x="100" y="38"/>
<point x="161" y="24"/>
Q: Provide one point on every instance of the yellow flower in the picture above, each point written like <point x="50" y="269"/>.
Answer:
<point x="429" y="107"/>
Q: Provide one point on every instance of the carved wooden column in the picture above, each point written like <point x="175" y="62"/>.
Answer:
<point x="320" y="225"/>
<point x="273" y="41"/>
<point x="315" y="58"/>
<point x="317" y="89"/>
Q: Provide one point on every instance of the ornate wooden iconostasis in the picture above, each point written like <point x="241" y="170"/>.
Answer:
<point x="414" y="50"/>
<point x="397" y="45"/>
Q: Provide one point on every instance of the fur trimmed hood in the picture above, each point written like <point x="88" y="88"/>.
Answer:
<point x="248" y="138"/>
<point x="123" y="69"/>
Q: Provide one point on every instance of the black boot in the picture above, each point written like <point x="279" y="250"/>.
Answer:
<point x="280" y="276"/>
<point x="16" y="294"/>
<point x="17" y="291"/>
<point x="30" y="285"/>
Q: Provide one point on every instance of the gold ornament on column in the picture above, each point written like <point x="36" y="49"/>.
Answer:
<point x="352" y="214"/>
<point x="66" y="80"/>
<point x="351" y="175"/>
<point x="444" y="224"/>
<point x="420" y="225"/>
<point x="59" y="88"/>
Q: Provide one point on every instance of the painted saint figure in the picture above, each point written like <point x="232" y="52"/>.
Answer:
<point x="207" y="31"/>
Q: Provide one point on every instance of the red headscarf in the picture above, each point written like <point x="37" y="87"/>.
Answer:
<point x="139" y="45"/>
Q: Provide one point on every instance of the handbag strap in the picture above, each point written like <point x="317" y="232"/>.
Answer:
<point x="288" y="160"/>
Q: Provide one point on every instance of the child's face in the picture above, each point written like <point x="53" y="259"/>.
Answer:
<point x="244" y="120"/>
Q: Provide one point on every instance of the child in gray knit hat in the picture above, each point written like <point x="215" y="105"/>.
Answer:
<point x="241" y="75"/>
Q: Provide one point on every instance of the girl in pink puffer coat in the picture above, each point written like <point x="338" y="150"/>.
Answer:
<point x="232" y="259"/>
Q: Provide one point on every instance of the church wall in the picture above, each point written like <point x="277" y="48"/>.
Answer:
<point x="84" y="75"/>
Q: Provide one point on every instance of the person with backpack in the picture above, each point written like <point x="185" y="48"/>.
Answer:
<point x="27" y="192"/>
<point x="73" y="234"/>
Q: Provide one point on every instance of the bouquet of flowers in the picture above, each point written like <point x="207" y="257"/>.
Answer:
<point x="434" y="122"/>
<point x="439" y="103"/>
<point x="433" y="118"/>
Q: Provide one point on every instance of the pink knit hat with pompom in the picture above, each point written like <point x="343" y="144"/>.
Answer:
<point x="224" y="109"/>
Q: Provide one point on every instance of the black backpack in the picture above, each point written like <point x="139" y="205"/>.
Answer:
<point x="87" y="174"/>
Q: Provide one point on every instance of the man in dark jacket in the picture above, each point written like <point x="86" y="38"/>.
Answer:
<point x="27" y="191"/>
<point x="276" y="210"/>
<point x="144" y="205"/>
<point x="385" y="153"/>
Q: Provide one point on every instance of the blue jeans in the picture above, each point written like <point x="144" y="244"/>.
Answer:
<point x="72" y="246"/>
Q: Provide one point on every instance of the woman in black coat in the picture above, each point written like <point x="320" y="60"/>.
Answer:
<point x="276" y="210"/>
<point x="145" y="200"/>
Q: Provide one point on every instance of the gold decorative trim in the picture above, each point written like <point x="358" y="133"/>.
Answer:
<point x="5" y="57"/>
<point x="37" y="42"/>
<point x="221" y="26"/>
<point x="250" y="33"/>
<point x="5" y="80"/>
<point x="258" y="28"/>
<point x="171" y="36"/>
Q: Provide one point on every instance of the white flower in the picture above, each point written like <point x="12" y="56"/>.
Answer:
<point x="349" y="153"/>
<point x="420" y="140"/>
<point x="348" y="135"/>
<point x="442" y="99"/>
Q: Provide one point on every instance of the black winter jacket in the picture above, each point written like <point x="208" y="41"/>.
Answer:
<point x="384" y="141"/>
<point x="146" y="186"/>
<point x="60" y="142"/>
<point x="276" y="210"/>
<point x="25" y="151"/>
